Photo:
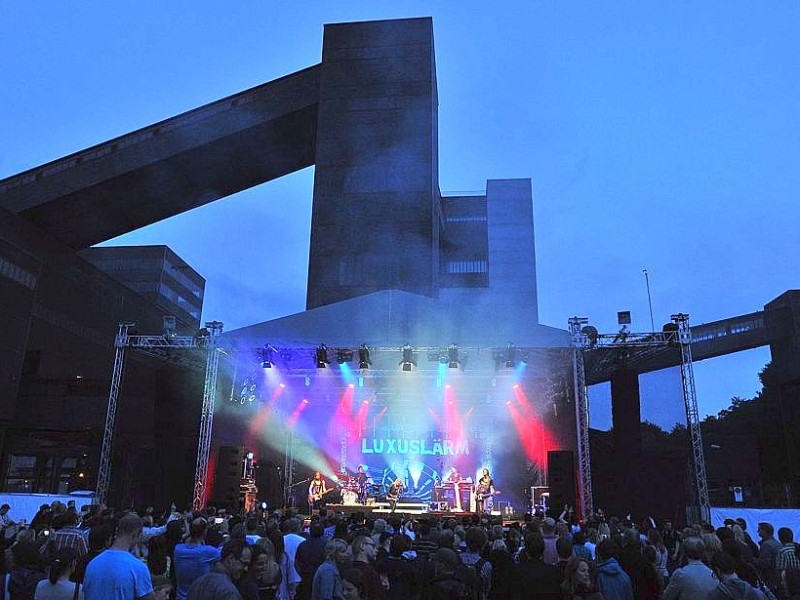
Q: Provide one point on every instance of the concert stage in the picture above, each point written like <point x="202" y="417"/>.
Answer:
<point x="503" y="409"/>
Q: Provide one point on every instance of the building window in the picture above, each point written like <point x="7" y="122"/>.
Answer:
<point x="467" y="266"/>
<point x="20" y="473"/>
<point x="16" y="273"/>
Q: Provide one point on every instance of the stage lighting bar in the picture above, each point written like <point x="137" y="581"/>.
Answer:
<point x="344" y="355"/>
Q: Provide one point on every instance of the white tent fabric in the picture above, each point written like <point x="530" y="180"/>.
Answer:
<point x="25" y="506"/>
<point x="777" y="517"/>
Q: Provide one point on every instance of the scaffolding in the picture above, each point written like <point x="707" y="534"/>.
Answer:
<point x="160" y="346"/>
<point x="693" y="416"/>
<point x="599" y="352"/>
<point x="579" y="341"/>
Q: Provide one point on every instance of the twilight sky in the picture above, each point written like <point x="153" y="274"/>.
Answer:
<point x="663" y="137"/>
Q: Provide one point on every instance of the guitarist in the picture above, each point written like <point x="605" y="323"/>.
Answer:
<point x="394" y="493"/>
<point x="483" y="490"/>
<point x="316" y="491"/>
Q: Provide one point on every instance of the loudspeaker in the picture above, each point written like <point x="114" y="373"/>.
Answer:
<point x="561" y="480"/>
<point x="228" y="476"/>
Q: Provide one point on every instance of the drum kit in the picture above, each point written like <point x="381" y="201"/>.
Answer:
<point x="349" y="487"/>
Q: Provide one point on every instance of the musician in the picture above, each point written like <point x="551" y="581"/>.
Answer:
<point x="455" y="479"/>
<point x="361" y="481"/>
<point x="316" y="491"/>
<point x="394" y="493"/>
<point x="484" y="490"/>
<point x="454" y="476"/>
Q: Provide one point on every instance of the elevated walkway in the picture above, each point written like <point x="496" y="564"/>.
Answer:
<point x="172" y="166"/>
<point x="644" y="353"/>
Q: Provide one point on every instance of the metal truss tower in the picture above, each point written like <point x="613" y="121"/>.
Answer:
<point x="158" y="346"/>
<point x="693" y="416"/>
<point x="579" y="342"/>
<point x="599" y="350"/>
<point x="288" y="467"/>
<point x="104" y="469"/>
<point x="206" y="416"/>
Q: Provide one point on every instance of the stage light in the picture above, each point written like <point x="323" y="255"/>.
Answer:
<point x="305" y="401"/>
<point x="515" y="386"/>
<point x="448" y="386"/>
<point x="283" y="385"/>
<point x="364" y="360"/>
<point x="321" y="356"/>
<point x="452" y="357"/>
<point x="266" y="355"/>
<point x="511" y="356"/>
<point x="591" y="334"/>
<point x="351" y="385"/>
<point x="170" y="327"/>
<point x="408" y="362"/>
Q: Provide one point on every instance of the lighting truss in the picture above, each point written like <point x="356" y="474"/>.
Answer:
<point x="163" y="347"/>
<point x="600" y="351"/>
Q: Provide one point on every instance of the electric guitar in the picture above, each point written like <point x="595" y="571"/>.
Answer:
<point x="317" y="497"/>
<point x="479" y="496"/>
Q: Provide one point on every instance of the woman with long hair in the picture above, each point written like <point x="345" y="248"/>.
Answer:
<point x="655" y="540"/>
<point x="58" y="586"/>
<point x="263" y="578"/>
<point x="577" y="583"/>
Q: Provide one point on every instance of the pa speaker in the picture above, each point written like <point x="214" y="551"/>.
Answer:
<point x="561" y="479"/>
<point x="228" y="476"/>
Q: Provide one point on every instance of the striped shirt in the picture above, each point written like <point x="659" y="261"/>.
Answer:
<point x="787" y="559"/>
<point x="69" y="537"/>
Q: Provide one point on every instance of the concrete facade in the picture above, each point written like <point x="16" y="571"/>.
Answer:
<point x="158" y="274"/>
<point x="375" y="217"/>
<point x="57" y="353"/>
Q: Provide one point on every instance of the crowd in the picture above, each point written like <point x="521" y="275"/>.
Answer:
<point x="97" y="553"/>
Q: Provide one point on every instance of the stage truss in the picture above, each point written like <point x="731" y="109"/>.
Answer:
<point x="598" y="353"/>
<point x="191" y="352"/>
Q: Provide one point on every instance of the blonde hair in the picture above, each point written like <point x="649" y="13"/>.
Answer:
<point x="334" y="547"/>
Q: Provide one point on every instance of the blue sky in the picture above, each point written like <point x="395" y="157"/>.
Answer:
<point x="663" y="137"/>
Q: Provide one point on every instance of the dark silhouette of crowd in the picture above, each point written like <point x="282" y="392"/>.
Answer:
<point x="99" y="553"/>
